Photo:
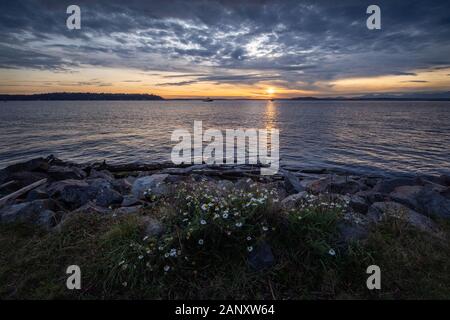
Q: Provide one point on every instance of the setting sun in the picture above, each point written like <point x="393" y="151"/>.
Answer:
<point x="270" y="91"/>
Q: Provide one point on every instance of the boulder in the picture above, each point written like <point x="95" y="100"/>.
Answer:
<point x="336" y="184"/>
<point x="75" y="193"/>
<point x="25" y="178"/>
<point x="72" y="193"/>
<point x="34" y="165"/>
<point x="103" y="174"/>
<point x="37" y="194"/>
<point x="127" y="210"/>
<point x="65" y="173"/>
<point x="433" y="203"/>
<point x="40" y="212"/>
<point x="261" y="257"/>
<point x="130" y="200"/>
<point x="291" y="201"/>
<point x="91" y="207"/>
<point x="102" y="192"/>
<point x="152" y="227"/>
<point x="153" y="184"/>
<point x="380" y="210"/>
<point x="352" y="227"/>
<point x="406" y="195"/>
<point x="292" y="183"/>
<point x="358" y="204"/>
<point x="386" y="186"/>
<point x="371" y="196"/>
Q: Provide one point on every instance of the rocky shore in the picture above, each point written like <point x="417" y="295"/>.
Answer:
<point x="64" y="188"/>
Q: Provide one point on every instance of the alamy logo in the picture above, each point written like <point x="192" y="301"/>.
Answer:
<point x="74" y="280"/>
<point x="73" y="22"/>
<point x="255" y="145"/>
<point x="374" y="280"/>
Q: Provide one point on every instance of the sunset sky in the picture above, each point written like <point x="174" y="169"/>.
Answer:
<point x="236" y="49"/>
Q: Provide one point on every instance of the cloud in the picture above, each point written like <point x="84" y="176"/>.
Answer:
<point x="289" y="41"/>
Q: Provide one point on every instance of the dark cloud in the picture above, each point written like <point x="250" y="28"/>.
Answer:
<point x="212" y="41"/>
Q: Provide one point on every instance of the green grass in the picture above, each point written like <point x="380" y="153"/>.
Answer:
<point x="118" y="262"/>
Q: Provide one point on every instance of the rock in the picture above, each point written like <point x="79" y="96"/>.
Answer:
<point x="388" y="185"/>
<point x="406" y="195"/>
<point x="261" y="257"/>
<point x="34" y="165"/>
<point x="353" y="227"/>
<point x="152" y="227"/>
<point x="371" y="196"/>
<point x="37" y="194"/>
<point x="433" y="203"/>
<point x="26" y="178"/>
<point x="225" y="185"/>
<point x="243" y="184"/>
<point x="292" y="183"/>
<point x="75" y="193"/>
<point x="380" y="210"/>
<point x="358" y="204"/>
<point x="127" y="210"/>
<point x="103" y="174"/>
<point x="103" y="193"/>
<point x="335" y="184"/>
<point x="153" y="184"/>
<point x="91" y="207"/>
<point x="291" y="201"/>
<point x="130" y="200"/>
<point x="66" y="173"/>
<point x="426" y="199"/>
<point x="39" y="212"/>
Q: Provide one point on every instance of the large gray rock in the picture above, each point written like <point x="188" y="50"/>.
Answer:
<point x="433" y="203"/>
<point x="380" y="210"/>
<point x="103" y="193"/>
<point x="127" y="210"/>
<point x="424" y="199"/>
<point x="388" y="185"/>
<point x="75" y="193"/>
<point x="154" y="184"/>
<point x="152" y="227"/>
<point x="352" y="227"/>
<point x="102" y="174"/>
<point x="358" y="204"/>
<point x="66" y="172"/>
<point x="34" y="165"/>
<point x="336" y="184"/>
<point x="40" y="212"/>
<point x="291" y="201"/>
<point x="371" y="196"/>
<point x="407" y="195"/>
<point x="72" y="193"/>
<point x="292" y="183"/>
<point x="37" y="194"/>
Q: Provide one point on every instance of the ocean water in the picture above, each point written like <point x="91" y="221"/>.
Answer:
<point x="368" y="137"/>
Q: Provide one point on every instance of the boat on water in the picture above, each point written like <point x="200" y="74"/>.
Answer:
<point x="207" y="100"/>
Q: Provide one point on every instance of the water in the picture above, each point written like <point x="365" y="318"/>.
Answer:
<point x="369" y="137"/>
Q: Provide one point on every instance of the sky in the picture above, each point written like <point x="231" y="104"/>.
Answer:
<point x="229" y="49"/>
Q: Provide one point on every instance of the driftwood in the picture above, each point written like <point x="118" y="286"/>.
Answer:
<point x="7" y="184"/>
<point x="20" y="192"/>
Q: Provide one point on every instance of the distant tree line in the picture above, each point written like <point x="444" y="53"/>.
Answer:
<point x="67" y="96"/>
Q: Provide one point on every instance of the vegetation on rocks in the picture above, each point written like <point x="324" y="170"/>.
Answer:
<point x="143" y="232"/>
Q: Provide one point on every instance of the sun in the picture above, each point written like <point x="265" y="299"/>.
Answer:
<point x="270" y="91"/>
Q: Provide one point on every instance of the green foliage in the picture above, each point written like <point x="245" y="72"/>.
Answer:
<point x="203" y="252"/>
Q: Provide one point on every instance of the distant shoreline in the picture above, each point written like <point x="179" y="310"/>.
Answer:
<point x="66" y="96"/>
